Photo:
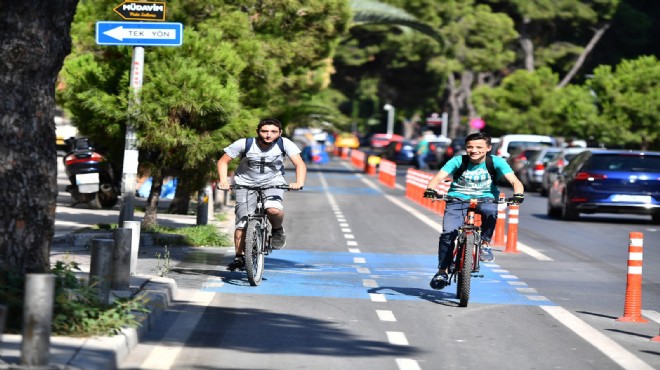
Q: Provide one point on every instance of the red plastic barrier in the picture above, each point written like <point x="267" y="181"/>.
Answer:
<point x="387" y="172"/>
<point x="416" y="182"/>
<point x="357" y="158"/>
<point x="633" y="306"/>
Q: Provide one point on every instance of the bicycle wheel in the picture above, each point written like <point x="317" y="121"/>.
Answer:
<point x="254" y="252"/>
<point x="465" y="273"/>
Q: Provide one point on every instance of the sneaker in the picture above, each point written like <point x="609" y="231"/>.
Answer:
<point x="237" y="264"/>
<point x="278" y="240"/>
<point x="486" y="253"/>
<point x="440" y="280"/>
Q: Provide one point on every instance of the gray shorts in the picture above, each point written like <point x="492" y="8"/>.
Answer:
<point x="244" y="207"/>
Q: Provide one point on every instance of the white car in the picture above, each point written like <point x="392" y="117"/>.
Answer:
<point x="510" y="142"/>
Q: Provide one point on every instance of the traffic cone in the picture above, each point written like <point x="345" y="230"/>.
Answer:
<point x="500" y="225"/>
<point x="512" y="235"/>
<point x="632" y="311"/>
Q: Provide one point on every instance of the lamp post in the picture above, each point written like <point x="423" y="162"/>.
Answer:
<point x="390" y="118"/>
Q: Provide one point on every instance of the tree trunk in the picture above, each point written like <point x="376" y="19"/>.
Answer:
<point x="151" y="212"/>
<point x="181" y="201"/>
<point x="583" y="56"/>
<point x="453" y="104"/>
<point x="527" y="45"/>
<point x="35" y="40"/>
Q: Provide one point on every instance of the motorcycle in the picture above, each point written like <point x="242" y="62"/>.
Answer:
<point x="91" y="176"/>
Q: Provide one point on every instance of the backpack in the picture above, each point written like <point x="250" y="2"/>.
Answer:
<point x="280" y="143"/>
<point x="465" y="160"/>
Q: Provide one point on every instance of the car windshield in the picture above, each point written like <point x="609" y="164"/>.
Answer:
<point x="624" y="162"/>
<point x="522" y="144"/>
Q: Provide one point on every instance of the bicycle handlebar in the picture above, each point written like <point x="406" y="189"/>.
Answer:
<point x="445" y="197"/>
<point x="283" y="187"/>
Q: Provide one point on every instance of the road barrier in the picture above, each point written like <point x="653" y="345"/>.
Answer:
<point x="500" y="226"/>
<point x="372" y="165"/>
<point x="632" y="311"/>
<point x="387" y="173"/>
<point x="357" y="158"/>
<point x="512" y="234"/>
<point x="416" y="182"/>
<point x="344" y="152"/>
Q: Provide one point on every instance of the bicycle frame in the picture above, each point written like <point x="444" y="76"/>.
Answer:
<point x="467" y="249"/>
<point x="257" y="233"/>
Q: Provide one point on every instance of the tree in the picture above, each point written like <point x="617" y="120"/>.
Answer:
<point x="35" y="41"/>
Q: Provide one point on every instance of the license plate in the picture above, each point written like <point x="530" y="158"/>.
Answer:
<point x="87" y="178"/>
<point x="631" y="198"/>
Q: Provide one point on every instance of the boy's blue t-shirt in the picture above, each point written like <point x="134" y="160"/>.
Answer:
<point x="475" y="182"/>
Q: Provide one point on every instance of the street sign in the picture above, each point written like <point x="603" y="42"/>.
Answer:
<point x="434" y="120"/>
<point x="141" y="11"/>
<point x="139" y="33"/>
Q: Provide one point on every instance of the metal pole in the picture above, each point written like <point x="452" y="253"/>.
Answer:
<point x="100" y="270"/>
<point x="390" y="118"/>
<point x="3" y="321"/>
<point x="37" y="319"/>
<point x="135" y="243"/>
<point x="121" y="266"/>
<point x="129" y="172"/>
<point x="203" y="206"/>
<point x="445" y="123"/>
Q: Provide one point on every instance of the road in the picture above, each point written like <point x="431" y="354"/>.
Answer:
<point x="350" y="290"/>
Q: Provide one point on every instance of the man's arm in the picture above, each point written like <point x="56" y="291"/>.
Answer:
<point x="518" y="187"/>
<point x="435" y="180"/>
<point x="301" y="171"/>
<point x="223" y="164"/>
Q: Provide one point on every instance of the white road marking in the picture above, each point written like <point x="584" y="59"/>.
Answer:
<point x="653" y="315"/>
<point x="397" y="338"/>
<point x="407" y="364"/>
<point x="363" y="270"/>
<point x="607" y="346"/>
<point x="346" y="230"/>
<point x="369" y="283"/>
<point x="353" y="250"/>
<point x="386" y="315"/>
<point x="349" y="236"/>
<point x="162" y="356"/>
<point x="359" y="260"/>
<point x="377" y="297"/>
<point x="351" y="243"/>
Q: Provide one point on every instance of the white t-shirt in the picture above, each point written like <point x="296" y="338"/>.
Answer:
<point x="260" y="167"/>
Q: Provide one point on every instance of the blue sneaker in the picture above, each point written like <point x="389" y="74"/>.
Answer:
<point x="486" y="253"/>
<point x="440" y="280"/>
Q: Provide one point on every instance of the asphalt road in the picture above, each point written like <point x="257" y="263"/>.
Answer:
<point x="350" y="290"/>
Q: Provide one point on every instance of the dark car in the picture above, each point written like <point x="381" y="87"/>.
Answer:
<point x="401" y="152"/>
<point x="456" y="147"/>
<point x="532" y="172"/>
<point x="553" y="167"/>
<point x="436" y="153"/>
<point x="607" y="181"/>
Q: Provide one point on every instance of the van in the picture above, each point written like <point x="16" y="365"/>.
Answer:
<point x="509" y="143"/>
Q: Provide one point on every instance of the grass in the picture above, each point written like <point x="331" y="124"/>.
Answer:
<point x="198" y="236"/>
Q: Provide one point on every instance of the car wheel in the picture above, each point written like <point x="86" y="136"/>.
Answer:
<point x="552" y="211"/>
<point x="568" y="213"/>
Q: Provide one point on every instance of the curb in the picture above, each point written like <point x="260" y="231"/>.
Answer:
<point x="146" y="240"/>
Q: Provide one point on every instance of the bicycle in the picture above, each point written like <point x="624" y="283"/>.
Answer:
<point x="467" y="246"/>
<point x="258" y="233"/>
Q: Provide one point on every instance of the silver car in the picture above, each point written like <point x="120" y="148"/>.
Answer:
<point x="556" y="165"/>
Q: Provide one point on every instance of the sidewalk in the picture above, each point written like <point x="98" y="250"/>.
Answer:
<point x="105" y="353"/>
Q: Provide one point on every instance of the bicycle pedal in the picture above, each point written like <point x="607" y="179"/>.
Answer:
<point x="477" y="275"/>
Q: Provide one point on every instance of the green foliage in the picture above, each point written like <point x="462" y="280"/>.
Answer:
<point x="629" y="101"/>
<point x="203" y="235"/>
<point x="521" y="104"/>
<point x="77" y="310"/>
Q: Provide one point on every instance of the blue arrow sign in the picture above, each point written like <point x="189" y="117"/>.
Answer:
<point x="139" y="33"/>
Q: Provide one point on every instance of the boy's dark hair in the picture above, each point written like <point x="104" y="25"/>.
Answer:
<point x="269" y="121"/>
<point x="478" y="136"/>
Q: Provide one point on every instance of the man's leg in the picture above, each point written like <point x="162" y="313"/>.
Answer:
<point x="275" y="212"/>
<point x="488" y="221"/>
<point x="452" y="220"/>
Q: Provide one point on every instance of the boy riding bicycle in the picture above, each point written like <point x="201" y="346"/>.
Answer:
<point x="261" y="164"/>
<point x="473" y="176"/>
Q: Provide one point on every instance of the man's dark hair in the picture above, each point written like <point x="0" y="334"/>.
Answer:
<point x="478" y="136"/>
<point x="269" y="121"/>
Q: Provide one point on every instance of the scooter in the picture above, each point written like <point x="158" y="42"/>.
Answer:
<point x="91" y="176"/>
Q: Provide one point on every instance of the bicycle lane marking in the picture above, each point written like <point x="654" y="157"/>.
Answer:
<point x="396" y="338"/>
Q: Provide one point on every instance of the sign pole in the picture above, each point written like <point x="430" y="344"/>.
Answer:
<point x="129" y="172"/>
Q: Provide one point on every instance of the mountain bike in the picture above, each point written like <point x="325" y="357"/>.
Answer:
<point x="257" y="233"/>
<point x="467" y="246"/>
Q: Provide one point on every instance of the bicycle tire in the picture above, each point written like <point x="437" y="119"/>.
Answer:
<point x="254" y="252"/>
<point x="465" y="272"/>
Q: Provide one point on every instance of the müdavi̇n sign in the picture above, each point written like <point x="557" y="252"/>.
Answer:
<point x="141" y="10"/>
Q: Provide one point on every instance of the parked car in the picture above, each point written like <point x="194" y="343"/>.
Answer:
<point x="520" y="157"/>
<point x="347" y="140"/>
<point x="456" y="147"/>
<point x="400" y="152"/>
<point x="379" y="141"/>
<point x="532" y="173"/>
<point x="508" y="143"/>
<point x="435" y="154"/>
<point x="607" y="181"/>
<point x="556" y="165"/>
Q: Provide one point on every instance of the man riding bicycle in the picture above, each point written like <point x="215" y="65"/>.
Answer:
<point x="473" y="176"/>
<point x="261" y="164"/>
